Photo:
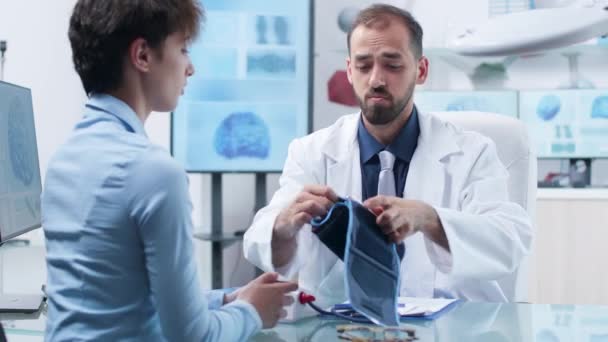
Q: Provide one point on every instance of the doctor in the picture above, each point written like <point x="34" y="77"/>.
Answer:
<point x="463" y="237"/>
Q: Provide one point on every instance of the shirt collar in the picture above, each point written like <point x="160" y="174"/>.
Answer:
<point x="402" y="147"/>
<point x="116" y="107"/>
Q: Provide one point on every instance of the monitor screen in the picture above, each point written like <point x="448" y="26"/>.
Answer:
<point x="499" y="102"/>
<point x="567" y="123"/>
<point x="250" y="94"/>
<point x="20" y="185"/>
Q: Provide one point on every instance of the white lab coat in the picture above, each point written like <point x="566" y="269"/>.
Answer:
<point x="457" y="172"/>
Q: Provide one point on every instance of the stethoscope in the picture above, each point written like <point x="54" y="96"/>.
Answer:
<point x="342" y="311"/>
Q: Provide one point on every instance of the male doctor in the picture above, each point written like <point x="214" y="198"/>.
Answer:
<point x="463" y="238"/>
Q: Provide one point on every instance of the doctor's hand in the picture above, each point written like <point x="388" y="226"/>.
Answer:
<point x="313" y="201"/>
<point x="268" y="296"/>
<point x="399" y="218"/>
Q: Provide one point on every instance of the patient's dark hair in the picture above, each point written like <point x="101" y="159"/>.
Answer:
<point x="379" y="15"/>
<point x="101" y="31"/>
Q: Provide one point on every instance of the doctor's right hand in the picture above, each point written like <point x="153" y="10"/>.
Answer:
<point x="313" y="201"/>
<point x="268" y="297"/>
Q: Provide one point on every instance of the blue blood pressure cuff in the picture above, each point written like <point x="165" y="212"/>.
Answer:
<point x="371" y="262"/>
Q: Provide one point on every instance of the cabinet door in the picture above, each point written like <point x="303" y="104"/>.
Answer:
<point x="570" y="252"/>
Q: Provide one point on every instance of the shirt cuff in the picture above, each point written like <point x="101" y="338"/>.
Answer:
<point x="250" y="310"/>
<point x="215" y="299"/>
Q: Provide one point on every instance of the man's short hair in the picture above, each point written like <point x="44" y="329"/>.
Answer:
<point x="381" y="14"/>
<point x="101" y="31"/>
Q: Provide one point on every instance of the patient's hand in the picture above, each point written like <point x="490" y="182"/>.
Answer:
<point x="268" y="296"/>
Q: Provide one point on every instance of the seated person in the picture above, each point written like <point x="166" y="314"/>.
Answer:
<point x="116" y="208"/>
<point x="441" y="194"/>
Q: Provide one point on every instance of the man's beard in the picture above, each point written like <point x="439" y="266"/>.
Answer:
<point x="380" y="114"/>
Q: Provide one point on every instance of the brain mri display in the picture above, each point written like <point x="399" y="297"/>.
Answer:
<point x="567" y="123"/>
<point x="249" y="95"/>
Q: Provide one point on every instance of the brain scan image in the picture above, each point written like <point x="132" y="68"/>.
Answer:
<point x="21" y="155"/>
<point x="548" y="107"/>
<point x="599" y="107"/>
<point x="242" y="134"/>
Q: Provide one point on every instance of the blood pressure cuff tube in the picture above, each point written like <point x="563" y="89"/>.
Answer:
<point x="371" y="262"/>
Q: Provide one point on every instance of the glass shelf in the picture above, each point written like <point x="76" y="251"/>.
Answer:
<point x="228" y="238"/>
<point x="586" y="49"/>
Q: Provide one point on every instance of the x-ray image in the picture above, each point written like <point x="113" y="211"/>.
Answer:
<point x="273" y="30"/>
<point x="271" y="64"/>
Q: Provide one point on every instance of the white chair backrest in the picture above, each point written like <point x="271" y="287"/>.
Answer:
<point x="514" y="151"/>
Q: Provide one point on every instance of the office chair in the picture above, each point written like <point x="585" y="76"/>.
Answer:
<point x="513" y="148"/>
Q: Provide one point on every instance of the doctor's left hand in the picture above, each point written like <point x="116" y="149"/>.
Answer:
<point x="399" y="218"/>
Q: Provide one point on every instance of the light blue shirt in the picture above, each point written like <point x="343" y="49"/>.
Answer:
<point x="118" y="229"/>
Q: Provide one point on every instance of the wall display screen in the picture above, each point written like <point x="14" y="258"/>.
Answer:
<point x="250" y="94"/>
<point x="499" y="102"/>
<point x="567" y="123"/>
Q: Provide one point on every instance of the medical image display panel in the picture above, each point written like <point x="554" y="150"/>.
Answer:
<point x="249" y="96"/>
<point x="567" y="123"/>
<point x="499" y="102"/>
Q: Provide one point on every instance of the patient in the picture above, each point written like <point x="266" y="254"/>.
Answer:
<point x="116" y="208"/>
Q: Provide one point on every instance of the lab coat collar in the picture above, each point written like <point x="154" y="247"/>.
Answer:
<point x="436" y="140"/>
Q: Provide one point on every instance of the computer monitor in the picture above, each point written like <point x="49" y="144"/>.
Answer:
<point x="250" y="94"/>
<point x="499" y="101"/>
<point x="20" y="185"/>
<point x="569" y="123"/>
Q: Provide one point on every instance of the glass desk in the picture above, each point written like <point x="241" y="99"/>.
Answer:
<point x="465" y="322"/>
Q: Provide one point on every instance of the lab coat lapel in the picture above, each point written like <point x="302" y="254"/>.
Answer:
<point x="343" y="166"/>
<point x="343" y="173"/>
<point x="426" y="181"/>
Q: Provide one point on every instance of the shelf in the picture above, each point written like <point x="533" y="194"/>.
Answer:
<point x="222" y="238"/>
<point x="584" y="49"/>
<point x="572" y="194"/>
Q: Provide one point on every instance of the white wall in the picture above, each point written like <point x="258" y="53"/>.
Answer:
<point x="39" y="57"/>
